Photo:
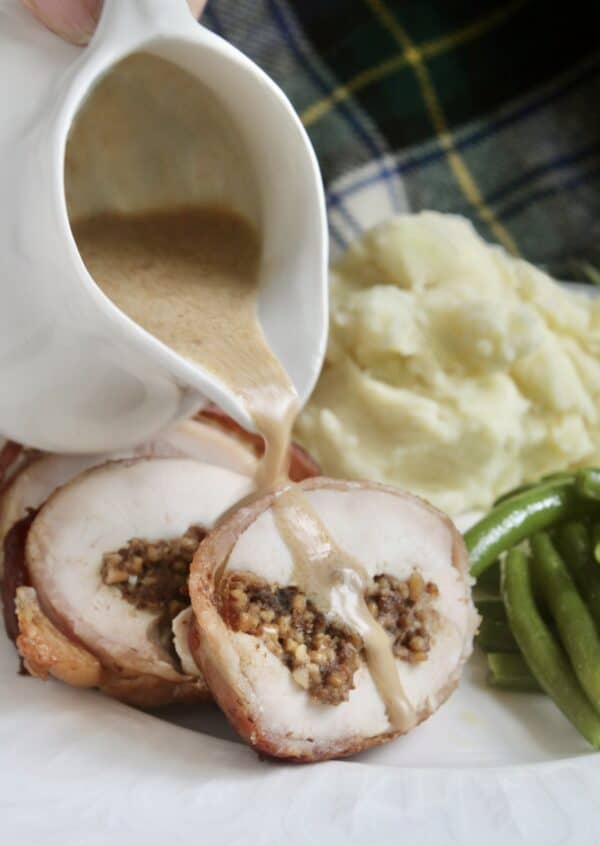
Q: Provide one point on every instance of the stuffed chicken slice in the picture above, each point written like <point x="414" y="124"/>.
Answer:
<point x="331" y="616"/>
<point x="107" y="560"/>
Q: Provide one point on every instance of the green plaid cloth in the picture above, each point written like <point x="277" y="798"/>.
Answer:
<point x="486" y="109"/>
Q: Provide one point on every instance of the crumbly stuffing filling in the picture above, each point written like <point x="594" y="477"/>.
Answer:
<point x="323" y="654"/>
<point x="405" y="610"/>
<point x="154" y="574"/>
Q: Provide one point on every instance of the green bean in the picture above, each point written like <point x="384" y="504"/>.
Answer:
<point x="510" y="672"/>
<point x="575" y="545"/>
<point x="576" y="627"/>
<point x="496" y="636"/>
<point x="515" y="519"/>
<point x="512" y="492"/>
<point x="587" y="482"/>
<point x="559" y="476"/>
<point x="544" y="656"/>
<point x="491" y="609"/>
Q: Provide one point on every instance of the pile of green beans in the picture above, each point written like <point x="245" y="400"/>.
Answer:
<point x="536" y="561"/>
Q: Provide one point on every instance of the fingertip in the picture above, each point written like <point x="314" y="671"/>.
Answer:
<point x="197" y="7"/>
<point x="73" y="20"/>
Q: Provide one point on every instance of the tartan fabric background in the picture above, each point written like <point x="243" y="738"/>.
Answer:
<point x="487" y="109"/>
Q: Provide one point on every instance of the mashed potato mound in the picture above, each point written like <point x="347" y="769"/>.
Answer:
<point x="453" y="370"/>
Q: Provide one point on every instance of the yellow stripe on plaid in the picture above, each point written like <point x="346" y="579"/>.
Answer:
<point x="463" y="176"/>
<point x="428" y="50"/>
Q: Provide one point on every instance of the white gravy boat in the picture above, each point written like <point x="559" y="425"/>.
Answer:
<point x="76" y="374"/>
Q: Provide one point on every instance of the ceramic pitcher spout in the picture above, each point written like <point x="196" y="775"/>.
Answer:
<point x="77" y="373"/>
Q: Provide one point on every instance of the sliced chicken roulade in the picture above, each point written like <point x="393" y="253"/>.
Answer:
<point x="106" y="560"/>
<point x="331" y="616"/>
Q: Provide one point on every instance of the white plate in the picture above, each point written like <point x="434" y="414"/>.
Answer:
<point x="76" y="768"/>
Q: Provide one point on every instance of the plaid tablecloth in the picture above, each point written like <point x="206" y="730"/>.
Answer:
<point x="487" y="109"/>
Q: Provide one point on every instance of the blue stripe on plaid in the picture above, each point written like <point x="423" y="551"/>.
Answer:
<point x="356" y="213"/>
<point x="333" y="201"/>
<point x="336" y="197"/>
<point x="483" y="133"/>
<point x="550" y="166"/>
<point x="545" y="193"/>
<point x="588" y="72"/>
<point x="286" y="27"/>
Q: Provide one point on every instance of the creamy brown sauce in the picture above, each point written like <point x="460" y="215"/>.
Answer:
<point x="190" y="278"/>
<point x="336" y="583"/>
